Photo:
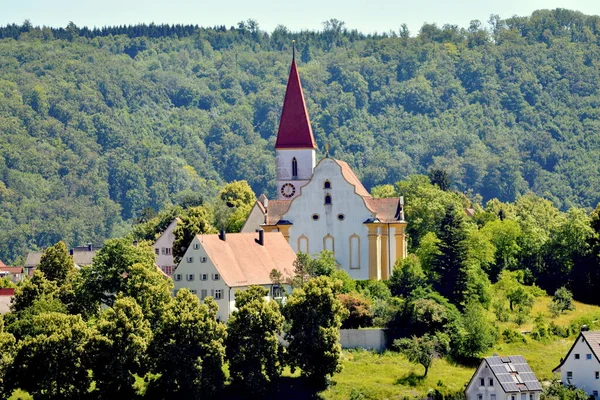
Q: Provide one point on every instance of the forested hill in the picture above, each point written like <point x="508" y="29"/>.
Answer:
<point x="98" y="124"/>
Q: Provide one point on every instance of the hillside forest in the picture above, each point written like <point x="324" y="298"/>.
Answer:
<point x="102" y="127"/>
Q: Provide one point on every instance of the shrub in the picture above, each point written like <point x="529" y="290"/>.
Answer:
<point x="512" y="336"/>
<point x="359" y="308"/>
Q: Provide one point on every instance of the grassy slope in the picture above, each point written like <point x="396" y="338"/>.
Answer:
<point x="390" y="375"/>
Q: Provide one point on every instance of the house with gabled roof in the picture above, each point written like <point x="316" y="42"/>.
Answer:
<point x="581" y="366"/>
<point x="503" y="378"/>
<point x="82" y="256"/>
<point x="220" y="265"/>
<point x="324" y="206"/>
<point x="163" y="248"/>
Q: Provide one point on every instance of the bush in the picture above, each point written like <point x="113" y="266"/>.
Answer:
<point x="512" y="336"/>
<point x="561" y="301"/>
<point x="359" y="308"/>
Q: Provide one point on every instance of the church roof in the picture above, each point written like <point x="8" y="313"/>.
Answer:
<point x="242" y="261"/>
<point x="294" y="126"/>
<point x="386" y="210"/>
<point x="276" y="209"/>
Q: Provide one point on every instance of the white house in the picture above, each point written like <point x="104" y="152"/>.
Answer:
<point x="581" y="366"/>
<point x="163" y="248"/>
<point x="220" y="265"/>
<point x="503" y="378"/>
<point x="324" y="206"/>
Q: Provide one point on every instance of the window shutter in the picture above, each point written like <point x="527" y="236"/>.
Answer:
<point x="212" y="292"/>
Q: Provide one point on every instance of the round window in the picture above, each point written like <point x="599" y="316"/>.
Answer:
<point x="341" y="217"/>
<point x="315" y="217"/>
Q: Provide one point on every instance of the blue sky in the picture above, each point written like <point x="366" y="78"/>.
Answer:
<point x="364" y="15"/>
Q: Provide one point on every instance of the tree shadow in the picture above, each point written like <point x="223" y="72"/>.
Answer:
<point x="410" y="379"/>
<point x="289" y="388"/>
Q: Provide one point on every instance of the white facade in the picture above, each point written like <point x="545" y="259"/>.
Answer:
<point x="163" y="249"/>
<point x="294" y="170"/>
<point x="484" y="385"/>
<point x="338" y="226"/>
<point x="581" y="367"/>
<point x="198" y="272"/>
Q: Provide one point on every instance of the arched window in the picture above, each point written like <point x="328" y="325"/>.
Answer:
<point x="327" y="185"/>
<point x="354" y="251"/>
<point x="294" y="168"/>
<point x="327" y="199"/>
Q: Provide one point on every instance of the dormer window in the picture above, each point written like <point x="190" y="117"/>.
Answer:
<point x="327" y="199"/>
<point x="294" y="168"/>
<point x="327" y="185"/>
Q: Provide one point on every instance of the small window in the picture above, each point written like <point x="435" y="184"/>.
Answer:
<point x="341" y="217"/>
<point x="569" y="374"/>
<point x="203" y="294"/>
<point x="531" y="396"/>
<point x="177" y="277"/>
<point x="194" y="291"/>
<point x="482" y="382"/>
<point x="189" y="277"/>
<point x="328" y="199"/>
<point x="315" y="217"/>
<point x="218" y="294"/>
<point x="491" y="382"/>
<point x="202" y="259"/>
<point x="479" y="397"/>
<point x="168" y="251"/>
<point x="597" y="374"/>
<point x="513" y="397"/>
<point x="204" y="277"/>
<point x="169" y="270"/>
<point x="163" y="251"/>
<point x="190" y="259"/>
<point x="327" y="185"/>
<point x="492" y="397"/>
<point x="216" y="277"/>
<point x="588" y="356"/>
<point x="196" y="246"/>
<point x="577" y="356"/>
<point x="156" y="251"/>
<point x="277" y="292"/>
<point x="294" y="168"/>
<point x="595" y="393"/>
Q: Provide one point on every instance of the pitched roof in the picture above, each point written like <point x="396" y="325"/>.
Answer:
<point x="512" y="372"/>
<point x="2" y="265"/>
<point x="294" y="126"/>
<point x="592" y="339"/>
<point x="81" y="256"/>
<point x="11" y="270"/>
<point x="352" y="179"/>
<point x="241" y="261"/>
<point x="275" y="209"/>
<point x="387" y="210"/>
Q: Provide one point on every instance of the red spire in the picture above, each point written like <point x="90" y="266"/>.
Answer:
<point x="294" y="125"/>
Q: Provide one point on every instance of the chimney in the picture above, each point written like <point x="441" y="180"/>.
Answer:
<point x="261" y="237"/>
<point x="70" y="252"/>
<point x="584" y="328"/>
<point x="90" y="247"/>
<point x="222" y="235"/>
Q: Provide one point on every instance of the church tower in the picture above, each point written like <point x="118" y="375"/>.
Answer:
<point x="295" y="146"/>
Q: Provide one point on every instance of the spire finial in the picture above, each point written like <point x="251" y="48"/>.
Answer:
<point x="293" y="50"/>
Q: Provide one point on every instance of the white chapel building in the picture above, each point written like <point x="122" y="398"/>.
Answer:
<point x="324" y="206"/>
<point x="581" y="366"/>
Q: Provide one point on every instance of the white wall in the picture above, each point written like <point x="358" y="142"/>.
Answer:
<point x="306" y="161"/>
<point x="255" y="219"/>
<point x="165" y="241"/>
<point x="584" y="370"/>
<point x="344" y="201"/>
<point x="368" y="339"/>
<point x="486" y="391"/>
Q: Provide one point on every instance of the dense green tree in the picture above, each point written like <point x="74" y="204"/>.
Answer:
<point x="195" y="221"/>
<point x="314" y="315"/>
<point x="360" y="314"/>
<point x="408" y="275"/>
<point x="253" y="349"/>
<point x="561" y="301"/>
<point x="56" y="263"/>
<point x="119" y="349"/>
<point x="188" y="349"/>
<point x="53" y="361"/>
<point x="7" y="353"/>
<point x="479" y="333"/>
<point x="450" y="269"/>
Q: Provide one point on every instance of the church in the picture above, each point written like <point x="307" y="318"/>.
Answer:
<point x="324" y="206"/>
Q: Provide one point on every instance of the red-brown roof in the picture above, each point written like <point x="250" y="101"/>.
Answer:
<point x="2" y="265"/>
<point x="7" y="291"/>
<point x="294" y="126"/>
<point x="241" y="261"/>
<point x="11" y="270"/>
<point x="275" y="209"/>
<point x="386" y="210"/>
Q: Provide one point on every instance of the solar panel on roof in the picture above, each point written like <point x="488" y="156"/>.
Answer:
<point x="494" y="361"/>
<point x="534" y="385"/>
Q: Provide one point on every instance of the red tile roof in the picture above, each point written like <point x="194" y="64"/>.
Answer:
<point x="2" y="265"/>
<point x="7" y="291"/>
<point x="294" y="126"/>
<point x="386" y="210"/>
<point x="275" y="209"/>
<point x="241" y="261"/>
<point x="11" y="270"/>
